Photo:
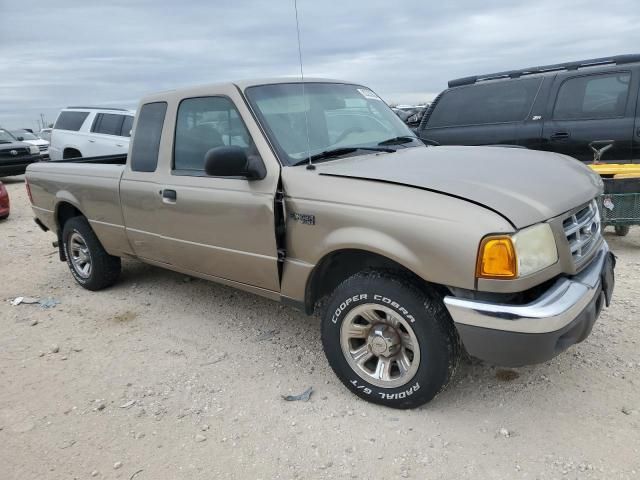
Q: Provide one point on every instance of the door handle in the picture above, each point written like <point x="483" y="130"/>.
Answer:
<point x="560" y="136"/>
<point x="92" y="141"/>
<point x="169" y="196"/>
<point x="119" y="145"/>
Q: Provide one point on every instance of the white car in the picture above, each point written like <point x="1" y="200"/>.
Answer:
<point x="90" y="132"/>
<point x="45" y="134"/>
<point x="32" y="139"/>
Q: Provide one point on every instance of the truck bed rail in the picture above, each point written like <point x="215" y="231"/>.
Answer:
<point x="120" y="159"/>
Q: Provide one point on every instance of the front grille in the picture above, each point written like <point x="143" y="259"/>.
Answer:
<point x="43" y="148"/>
<point x="20" y="152"/>
<point x="582" y="230"/>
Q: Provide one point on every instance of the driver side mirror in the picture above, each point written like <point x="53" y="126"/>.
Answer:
<point x="20" y="139"/>
<point x="233" y="161"/>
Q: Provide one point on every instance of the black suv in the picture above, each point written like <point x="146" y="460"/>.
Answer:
<point x="559" y="108"/>
<point x="15" y="156"/>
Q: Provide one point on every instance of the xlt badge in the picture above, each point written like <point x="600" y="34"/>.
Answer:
<point x="303" y="218"/>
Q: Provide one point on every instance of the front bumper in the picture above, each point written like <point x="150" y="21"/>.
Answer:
<point x="514" y="335"/>
<point x="17" y="167"/>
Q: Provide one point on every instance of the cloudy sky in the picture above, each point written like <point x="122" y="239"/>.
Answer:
<point x="59" y="53"/>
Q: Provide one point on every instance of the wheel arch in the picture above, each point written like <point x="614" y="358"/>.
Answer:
<point x="65" y="209"/>
<point x="338" y="265"/>
<point x="67" y="151"/>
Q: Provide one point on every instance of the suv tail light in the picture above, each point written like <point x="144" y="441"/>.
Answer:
<point x="28" y="187"/>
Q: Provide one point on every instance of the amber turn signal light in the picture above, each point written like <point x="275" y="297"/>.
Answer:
<point x="497" y="258"/>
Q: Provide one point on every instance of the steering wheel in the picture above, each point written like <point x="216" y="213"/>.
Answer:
<point x="346" y="133"/>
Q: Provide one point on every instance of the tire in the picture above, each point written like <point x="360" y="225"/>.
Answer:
<point x="82" y="248"/>
<point x="622" y="230"/>
<point x="403" y="315"/>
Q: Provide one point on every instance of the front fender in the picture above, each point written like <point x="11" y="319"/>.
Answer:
<point x="370" y="240"/>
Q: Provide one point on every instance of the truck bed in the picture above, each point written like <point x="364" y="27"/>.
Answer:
<point x="90" y="185"/>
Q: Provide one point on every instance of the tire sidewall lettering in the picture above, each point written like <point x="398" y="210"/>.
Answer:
<point x="392" y="303"/>
<point x="382" y="299"/>
<point x="401" y="395"/>
<point x="343" y="306"/>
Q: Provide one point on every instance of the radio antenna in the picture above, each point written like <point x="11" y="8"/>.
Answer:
<point x="310" y="166"/>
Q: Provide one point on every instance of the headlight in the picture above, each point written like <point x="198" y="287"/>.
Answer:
<point x="528" y="251"/>
<point x="33" y="149"/>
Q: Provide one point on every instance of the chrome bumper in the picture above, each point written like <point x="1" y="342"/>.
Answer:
<point x="555" y="309"/>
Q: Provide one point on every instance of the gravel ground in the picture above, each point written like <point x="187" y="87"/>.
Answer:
<point x="165" y="377"/>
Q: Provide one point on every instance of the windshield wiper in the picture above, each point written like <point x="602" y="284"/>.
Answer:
<point x="398" y="140"/>
<point x="336" y="152"/>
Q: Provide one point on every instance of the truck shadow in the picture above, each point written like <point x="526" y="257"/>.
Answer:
<point x="252" y="319"/>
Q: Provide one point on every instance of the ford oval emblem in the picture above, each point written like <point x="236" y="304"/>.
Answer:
<point x="13" y="152"/>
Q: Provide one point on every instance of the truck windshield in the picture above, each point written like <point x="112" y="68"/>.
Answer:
<point x="5" y="137"/>
<point x="339" y="116"/>
<point x="24" y="134"/>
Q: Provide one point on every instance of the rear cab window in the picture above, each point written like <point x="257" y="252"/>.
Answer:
<point x="497" y="102"/>
<point x="592" y="96"/>
<point x="146" y="141"/>
<point x="68" y="120"/>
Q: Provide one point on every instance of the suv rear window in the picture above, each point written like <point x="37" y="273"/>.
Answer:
<point x="499" y="102"/>
<point x="146" y="142"/>
<point x="593" y="96"/>
<point x="70" y="120"/>
<point x="108" y="124"/>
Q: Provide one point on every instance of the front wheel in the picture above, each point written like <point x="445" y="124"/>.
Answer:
<point x="388" y="341"/>
<point x="91" y="266"/>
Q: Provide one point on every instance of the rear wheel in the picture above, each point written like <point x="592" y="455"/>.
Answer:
<point x="71" y="153"/>
<point x="388" y="341"/>
<point x="90" y="264"/>
<point x="622" y="230"/>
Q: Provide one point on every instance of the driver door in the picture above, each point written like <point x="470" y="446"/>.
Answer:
<point x="217" y="226"/>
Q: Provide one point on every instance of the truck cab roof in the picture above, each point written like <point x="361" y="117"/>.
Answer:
<point x="241" y="84"/>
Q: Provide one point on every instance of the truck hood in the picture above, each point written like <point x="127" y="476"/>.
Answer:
<point x="524" y="186"/>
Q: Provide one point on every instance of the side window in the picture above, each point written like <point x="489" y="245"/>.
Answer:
<point x="108" y="124"/>
<point x="499" y="102"/>
<point x="593" y="96"/>
<point x="70" y="120"/>
<point x="127" y="125"/>
<point x="146" y="141"/>
<point x="96" y="122"/>
<point x="204" y="123"/>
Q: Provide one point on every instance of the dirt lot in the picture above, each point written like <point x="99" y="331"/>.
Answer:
<point x="165" y="377"/>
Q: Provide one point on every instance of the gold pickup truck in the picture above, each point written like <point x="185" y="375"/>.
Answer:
<point x="315" y="194"/>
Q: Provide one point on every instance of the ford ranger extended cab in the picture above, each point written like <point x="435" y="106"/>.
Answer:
<point x="316" y="194"/>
